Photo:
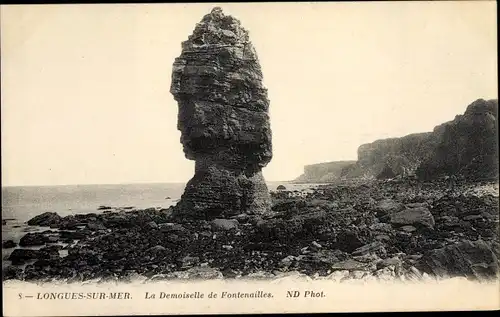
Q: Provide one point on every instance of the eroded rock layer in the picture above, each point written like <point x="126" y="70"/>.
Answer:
<point x="223" y="119"/>
<point x="465" y="146"/>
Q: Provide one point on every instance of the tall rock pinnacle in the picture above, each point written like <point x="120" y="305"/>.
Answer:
<point x="223" y="119"/>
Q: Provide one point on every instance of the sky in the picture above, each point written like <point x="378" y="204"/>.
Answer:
<point x="85" y="88"/>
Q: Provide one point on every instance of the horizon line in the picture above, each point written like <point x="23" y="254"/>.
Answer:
<point x="126" y="183"/>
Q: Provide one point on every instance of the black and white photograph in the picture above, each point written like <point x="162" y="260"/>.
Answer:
<point x="336" y="142"/>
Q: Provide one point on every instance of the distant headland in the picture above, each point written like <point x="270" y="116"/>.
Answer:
<point x="466" y="146"/>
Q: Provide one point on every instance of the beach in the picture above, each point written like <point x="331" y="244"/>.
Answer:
<point x="392" y="229"/>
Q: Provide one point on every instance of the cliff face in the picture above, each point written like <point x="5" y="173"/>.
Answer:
<point x="465" y="146"/>
<point x="394" y="156"/>
<point x="223" y="119"/>
<point x="324" y="172"/>
<point x="401" y="155"/>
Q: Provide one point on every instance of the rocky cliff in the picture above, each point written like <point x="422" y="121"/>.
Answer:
<point x="399" y="155"/>
<point x="383" y="158"/>
<point x="223" y="119"/>
<point x="468" y="145"/>
<point x="324" y="172"/>
<point x="465" y="146"/>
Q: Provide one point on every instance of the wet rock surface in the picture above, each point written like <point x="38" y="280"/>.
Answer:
<point x="470" y="258"/>
<point x="46" y="219"/>
<point x="8" y="244"/>
<point x="416" y="217"/>
<point x="223" y="119"/>
<point x="335" y="232"/>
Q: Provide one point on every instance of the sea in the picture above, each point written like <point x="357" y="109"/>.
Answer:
<point x="21" y="203"/>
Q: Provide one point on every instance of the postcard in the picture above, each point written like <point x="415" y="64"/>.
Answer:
<point x="247" y="158"/>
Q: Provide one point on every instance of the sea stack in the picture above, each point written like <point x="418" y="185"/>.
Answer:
<point x="223" y="119"/>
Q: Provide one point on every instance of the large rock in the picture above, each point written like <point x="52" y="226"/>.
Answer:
<point x="468" y="145"/>
<point x="33" y="239"/>
<point x="373" y="247"/>
<point x="348" y="241"/>
<point x="321" y="257"/>
<point x="224" y="224"/>
<point x="12" y="272"/>
<point x="475" y="259"/>
<point x="417" y="217"/>
<point x="388" y="206"/>
<point x="45" y="220"/>
<point x="8" y="244"/>
<point x="350" y="265"/>
<point x="19" y="256"/>
<point x="223" y="119"/>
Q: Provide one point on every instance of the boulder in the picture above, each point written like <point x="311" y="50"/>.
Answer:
<point x="171" y="227"/>
<point x="67" y="223"/>
<point x="348" y="241"/>
<point x="96" y="226"/>
<point x="288" y="205"/>
<point x="118" y="221"/>
<point x="287" y="261"/>
<point x="350" y="265"/>
<point x="8" y="244"/>
<point x="49" y="253"/>
<point x="417" y="217"/>
<point x="408" y="228"/>
<point x="32" y="239"/>
<point x="19" y="256"/>
<point x="74" y="235"/>
<point x="12" y="272"/>
<point x="473" y="217"/>
<point x="374" y="247"/>
<point x="46" y="219"/>
<point x="381" y="227"/>
<point x="417" y="205"/>
<point x="104" y="208"/>
<point x="188" y="261"/>
<point x="382" y="238"/>
<point x="386" y="274"/>
<point x="472" y="259"/>
<point x="152" y="225"/>
<point x="388" y="206"/>
<point x="449" y="221"/>
<point x="367" y="258"/>
<point x="321" y="257"/>
<point x="51" y="239"/>
<point x="338" y="275"/>
<point x="224" y="224"/>
<point x="394" y="261"/>
<point x="156" y="249"/>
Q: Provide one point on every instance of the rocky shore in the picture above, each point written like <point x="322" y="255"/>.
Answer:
<point x="377" y="230"/>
